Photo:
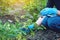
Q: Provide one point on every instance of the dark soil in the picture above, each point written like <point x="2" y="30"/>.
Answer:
<point x="9" y="18"/>
<point x="45" y="35"/>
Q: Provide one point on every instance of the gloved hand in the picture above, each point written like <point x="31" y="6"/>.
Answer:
<point x="27" y="30"/>
<point x="49" y="11"/>
<point x="31" y="26"/>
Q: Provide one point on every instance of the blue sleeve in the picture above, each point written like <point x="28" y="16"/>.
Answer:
<point x="50" y="4"/>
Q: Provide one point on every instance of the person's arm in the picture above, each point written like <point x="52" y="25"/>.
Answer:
<point x="50" y="4"/>
<point x="58" y="12"/>
<point x="40" y="19"/>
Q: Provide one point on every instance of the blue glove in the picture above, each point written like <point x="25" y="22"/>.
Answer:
<point x="31" y="26"/>
<point x="48" y="11"/>
<point x="27" y="30"/>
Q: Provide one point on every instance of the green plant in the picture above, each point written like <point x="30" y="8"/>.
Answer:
<point x="9" y="31"/>
<point x="12" y="31"/>
<point x="34" y="7"/>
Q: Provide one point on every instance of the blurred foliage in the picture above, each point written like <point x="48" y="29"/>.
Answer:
<point x="8" y="5"/>
<point x="34" y="6"/>
<point x="11" y="31"/>
<point x="5" y="5"/>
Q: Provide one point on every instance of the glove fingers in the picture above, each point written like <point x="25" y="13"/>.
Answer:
<point x="31" y="26"/>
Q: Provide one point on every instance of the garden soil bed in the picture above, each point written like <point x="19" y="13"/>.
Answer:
<point x="39" y="35"/>
<point x="45" y="35"/>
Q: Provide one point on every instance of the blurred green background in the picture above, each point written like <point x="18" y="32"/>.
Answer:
<point x="16" y="7"/>
<point x="24" y="9"/>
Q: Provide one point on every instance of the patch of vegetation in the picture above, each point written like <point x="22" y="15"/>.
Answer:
<point x="34" y="7"/>
<point x="12" y="31"/>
